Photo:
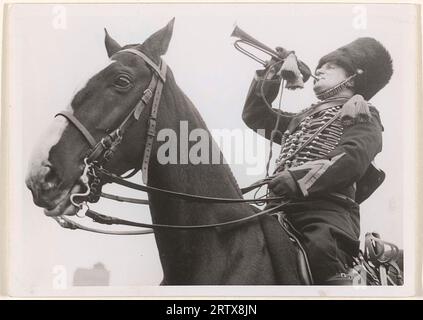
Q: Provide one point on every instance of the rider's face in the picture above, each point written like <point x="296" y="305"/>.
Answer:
<point x="329" y="74"/>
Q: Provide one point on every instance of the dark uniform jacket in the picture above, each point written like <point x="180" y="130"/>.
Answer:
<point x="333" y="173"/>
<point x="335" y="160"/>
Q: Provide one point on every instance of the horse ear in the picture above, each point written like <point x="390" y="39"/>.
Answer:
<point x="111" y="45"/>
<point x="158" y="42"/>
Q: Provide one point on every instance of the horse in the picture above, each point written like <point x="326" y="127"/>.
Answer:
<point x="240" y="254"/>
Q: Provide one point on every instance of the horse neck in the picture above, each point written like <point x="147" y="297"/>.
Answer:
<point x="211" y="177"/>
<point x="205" y="255"/>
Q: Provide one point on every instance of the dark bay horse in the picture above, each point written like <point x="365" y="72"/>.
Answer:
<point x="224" y="255"/>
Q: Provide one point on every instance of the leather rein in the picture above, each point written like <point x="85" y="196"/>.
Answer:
<point x="94" y="175"/>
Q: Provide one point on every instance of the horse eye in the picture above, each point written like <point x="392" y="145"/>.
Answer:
<point x="122" y="82"/>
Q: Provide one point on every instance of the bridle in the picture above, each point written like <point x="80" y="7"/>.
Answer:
<point x="94" y="175"/>
<point x="106" y="147"/>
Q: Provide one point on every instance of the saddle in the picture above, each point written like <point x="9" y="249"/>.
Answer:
<point x="381" y="263"/>
<point x="303" y="265"/>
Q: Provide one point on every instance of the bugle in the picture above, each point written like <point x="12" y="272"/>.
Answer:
<point x="245" y="39"/>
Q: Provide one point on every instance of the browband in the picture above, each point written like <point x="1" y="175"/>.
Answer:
<point x="150" y="62"/>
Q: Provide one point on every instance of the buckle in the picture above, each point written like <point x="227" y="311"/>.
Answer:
<point x="146" y="96"/>
<point x="106" y="141"/>
<point x="151" y="127"/>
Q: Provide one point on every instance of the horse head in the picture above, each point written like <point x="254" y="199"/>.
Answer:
<point x="100" y="107"/>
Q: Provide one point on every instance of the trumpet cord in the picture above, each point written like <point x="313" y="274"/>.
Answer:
<point x="268" y="105"/>
<point x="275" y="130"/>
<point x="278" y="116"/>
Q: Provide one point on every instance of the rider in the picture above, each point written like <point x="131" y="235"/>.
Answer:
<point x="330" y="174"/>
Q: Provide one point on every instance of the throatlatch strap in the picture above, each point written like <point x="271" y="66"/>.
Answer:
<point x="151" y="130"/>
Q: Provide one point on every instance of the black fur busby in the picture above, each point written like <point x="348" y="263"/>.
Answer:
<point x="368" y="55"/>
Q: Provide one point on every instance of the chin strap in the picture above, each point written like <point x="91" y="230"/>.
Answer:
<point x="338" y="88"/>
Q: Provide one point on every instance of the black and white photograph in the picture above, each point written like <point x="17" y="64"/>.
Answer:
<point x="211" y="149"/>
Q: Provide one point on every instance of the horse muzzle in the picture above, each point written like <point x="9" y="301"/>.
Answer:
<point x="43" y="181"/>
<point x="47" y="189"/>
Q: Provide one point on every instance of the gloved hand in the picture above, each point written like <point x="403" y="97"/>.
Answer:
<point x="283" y="53"/>
<point x="283" y="184"/>
<point x="276" y="64"/>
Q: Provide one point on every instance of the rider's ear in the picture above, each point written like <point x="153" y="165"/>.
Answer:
<point x="159" y="41"/>
<point x="111" y="45"/>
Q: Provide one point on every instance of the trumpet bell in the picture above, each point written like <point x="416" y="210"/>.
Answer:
<point x="247" y="40"/>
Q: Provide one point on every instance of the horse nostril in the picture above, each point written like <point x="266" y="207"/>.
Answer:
<point x="51" y="178"/>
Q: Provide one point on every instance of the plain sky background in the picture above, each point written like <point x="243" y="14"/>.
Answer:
<point x="47" y="64"/>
